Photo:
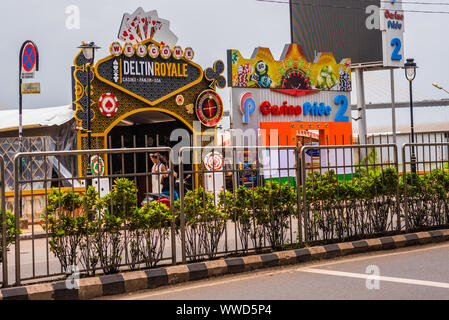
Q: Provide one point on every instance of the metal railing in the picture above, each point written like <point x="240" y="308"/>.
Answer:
<point x="232" y="201"/>
<point x="344" y="194"/>
<point x="426" y="190"/>
<point x="43" y="262"/>
<point x="239" y="220"/>
<point x="4" y="242"/>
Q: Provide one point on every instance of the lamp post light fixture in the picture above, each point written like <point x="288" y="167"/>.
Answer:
<point x="410" y="74"/>
<point x="88" y="50"/>
<point x="436" y="85"/>
<point x="89" y="53"/>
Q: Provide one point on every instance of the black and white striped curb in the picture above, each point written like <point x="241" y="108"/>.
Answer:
<point x="148" y="279"/>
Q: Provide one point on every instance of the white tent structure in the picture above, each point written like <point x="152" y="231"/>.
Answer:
<point x="44" y="129"/>
<point x="35" y="118"/>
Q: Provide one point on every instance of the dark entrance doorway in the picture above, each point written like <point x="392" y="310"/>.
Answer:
<point x="143" y="129"/>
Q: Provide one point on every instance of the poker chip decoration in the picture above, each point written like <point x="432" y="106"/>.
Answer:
<point x="108" y="104"/>
<point x="141" y="50"/>
<point x="153" y="51"/>
<point x="179" y="99"/>
<point x="97" y="165"/>
<point x="213" y="161"/>
<point x="165" y="52"/>
<point x="128" y="50"/>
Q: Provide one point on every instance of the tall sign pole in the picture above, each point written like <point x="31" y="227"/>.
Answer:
<point x="28" y="65"/>
<point x="393" y="106"/>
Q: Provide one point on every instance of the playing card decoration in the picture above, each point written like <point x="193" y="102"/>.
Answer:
<point x="108" y="104"/>
<point x="141" y="26"/>
<point x="214" y="75"/>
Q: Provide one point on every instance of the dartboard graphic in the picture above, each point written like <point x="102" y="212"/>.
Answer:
<point x="97" y="165"/>
<point x="108" y="104"/>
<point x="213" y="161"/>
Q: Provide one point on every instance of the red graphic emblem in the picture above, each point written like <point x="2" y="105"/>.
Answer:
<point x="108" y="104"/>
<point x="209" y="108"/>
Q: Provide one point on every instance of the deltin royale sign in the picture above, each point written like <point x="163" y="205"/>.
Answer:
<point x="166" y="71"/>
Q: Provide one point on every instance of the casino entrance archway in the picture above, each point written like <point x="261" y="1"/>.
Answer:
<point x="145" y="128"/>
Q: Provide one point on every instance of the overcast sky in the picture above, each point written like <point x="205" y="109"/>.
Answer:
<point x="210" y="27"/>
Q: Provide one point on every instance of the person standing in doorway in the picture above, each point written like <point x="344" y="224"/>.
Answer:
<point x="160" y="166"/>
<point x="156" y="185"/>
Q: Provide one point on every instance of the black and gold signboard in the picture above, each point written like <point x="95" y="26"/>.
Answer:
<point x="147" y="76"/>
<point x="145" y="71"/>
<point x="149" y="72"/>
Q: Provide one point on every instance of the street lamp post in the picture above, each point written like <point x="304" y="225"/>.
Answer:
<point x="436" y="85"/>
<point x="89" y="53"/>
<point x="410" y="74"/>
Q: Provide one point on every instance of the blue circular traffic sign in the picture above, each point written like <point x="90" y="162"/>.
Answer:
<point x="29" y="57"/>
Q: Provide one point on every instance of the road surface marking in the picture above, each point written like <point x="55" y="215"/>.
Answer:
<point x="346" y="259"/>
<point x="262" y="273"/>
<point x="380" y="278"/>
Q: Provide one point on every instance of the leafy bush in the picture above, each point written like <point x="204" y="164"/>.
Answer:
<point x="205" y="223"/>
<point x="343" y="209"/>
<point x="427" y="198"/>
<point x="66" y="229"/>
<point x="11" y="231"/>
<point x="238" y="207"/>
<point x="115" y="209"/>
<point x="149" y="227"/>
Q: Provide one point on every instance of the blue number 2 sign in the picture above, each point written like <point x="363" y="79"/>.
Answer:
<point x="396" y="42"/>
<point x="343" y="101"/>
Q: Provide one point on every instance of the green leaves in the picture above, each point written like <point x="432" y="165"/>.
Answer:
<point x="11" y="231"/>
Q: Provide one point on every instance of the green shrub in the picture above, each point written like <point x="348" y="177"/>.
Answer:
<point x="205" y="224"/>
<point x="238" y="207"/>
<point x="66" y="229"/>
<point x="11" y="231"/>
<point x="115" y="210"/>
<point x="149" y="227"/>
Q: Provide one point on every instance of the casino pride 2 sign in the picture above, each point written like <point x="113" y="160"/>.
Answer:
<point x="251" y="106"/>
<point x="132" y="68"/>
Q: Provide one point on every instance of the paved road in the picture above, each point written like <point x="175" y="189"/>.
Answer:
<point x="420" y="272"/>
